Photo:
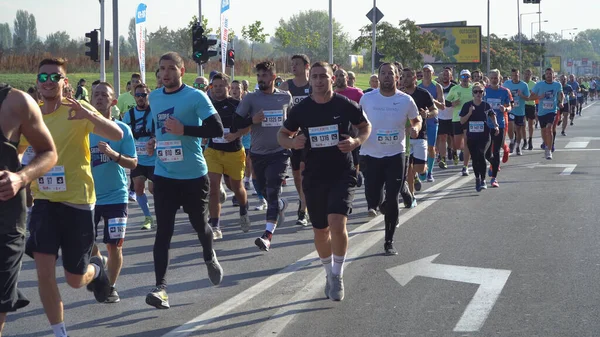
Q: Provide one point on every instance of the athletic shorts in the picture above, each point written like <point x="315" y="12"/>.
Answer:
<point x="326" y="196"/>
<point x="565" y="108"/>
<point x="445" y="127"/>
<point x="546" y="119"/>
<point x="115" y="223"/>
<point x="457" y="128"/>
<point x="573" y="103"/>
<point x="418" y="151"/>
<point x="12" y="246"/>
<point x="580" y="100"/>
<point x="530" y="111"/>
<point x="518" y="120"/>
<point x="54" y="226"/>
<point x="246" y="141"/>
<point x="232" y="164"/>
<point x="143" y="171"/>
<point x="296" y="158"/>
<point x="432" y="131"/>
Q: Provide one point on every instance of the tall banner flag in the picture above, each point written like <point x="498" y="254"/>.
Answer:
<point x="224" y="33"/>
<point x="140" y="38"/>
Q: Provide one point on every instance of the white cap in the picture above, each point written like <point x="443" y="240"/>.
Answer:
<point x="465" y="72"/>
<point x="428" y="66"/>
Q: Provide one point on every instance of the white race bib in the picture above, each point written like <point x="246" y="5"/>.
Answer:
<point x="388" y="137"/>
<point x="323" y="136"/>
<point x="54" y="180"/>
<point x="494" y="102"/>
<point x="221" y="140"/>
<point x="517" y="104"/>
<point x="579" y="94"/>
<point x="548" y="104"/>
<point x="169" y="151"/>
<point x="476" y="127"/>
<point x="116" y="228"/>
<point x="140" y="148"/>
<point x="273" y="118"/>
<point x="298" y="99"/>
<point x="28" y="156"/>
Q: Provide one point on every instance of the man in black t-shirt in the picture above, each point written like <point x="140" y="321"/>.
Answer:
<point x="326" y="120"/>
<point x="226" y="156"/>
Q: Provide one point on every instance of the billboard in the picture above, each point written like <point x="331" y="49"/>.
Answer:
<point x="356" y="61"/>
<point x="554" y="62"/>
<point x="460" y="44"/>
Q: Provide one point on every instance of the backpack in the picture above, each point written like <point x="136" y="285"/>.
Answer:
<point x="144" y="132"/>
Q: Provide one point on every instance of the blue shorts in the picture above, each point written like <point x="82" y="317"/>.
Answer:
<point x="432" y="131"/>
<point x="547" y="119"/>
<point x="246" y="141"/>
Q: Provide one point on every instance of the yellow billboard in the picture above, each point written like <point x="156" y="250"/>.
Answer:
<point x="356" y="61"/>
<point x="553" y="62"/>
<point x="459" y="44"/>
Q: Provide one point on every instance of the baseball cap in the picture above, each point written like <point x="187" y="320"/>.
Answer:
<point x="212" y="74"/>
<point x="428" y="66"/>
<point x="465" y="72"/>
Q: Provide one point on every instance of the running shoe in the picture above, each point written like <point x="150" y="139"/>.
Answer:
<point x="101" y="284"/>
<point x="148" y="223"/>
<point x="283" y="204"/>
<point x="442" y="164"/>
<point x="530" y="145"/>
<point x="430" y="177"/>
<point x="132" y="196"/>
<point x="494" y="183"/>
<point x="478" y="185"/>
<point x="359" y="179"/>
<point x="262" y="205"/>
<point x="388" y="247"/>
<point x="235" y="202"/>
<point x="372" y="213"/>
<point x="417" y="183"/>
<point x="217" y="234"/>
<point x="465" y="171"/>
<point x="222" y="195"/>
<point x="483" y="184"/>
<point x="158" y="298"/>
<point x="214" y="269"/>
<point x="519" y="153"/>
<point x="302" y="219"/>
<point x="512" y="147"/>
<point x="113" y="297"/>
<point x="461" y="156"/>
<point x="506" y="153"/>
<point x="263" y="243"/>
<point x="455" y="158"/>
<point x="562" y="133"/>
<point x="245" y="223"/>
<point x="336" y="292"/>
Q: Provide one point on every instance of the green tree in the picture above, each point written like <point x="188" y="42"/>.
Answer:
<point x="254" y="33"/>
<point x="57" y="42"/>
<point x="131" y="38"/>
<point x="5" y="37"/>
<point x="21" y="38"/>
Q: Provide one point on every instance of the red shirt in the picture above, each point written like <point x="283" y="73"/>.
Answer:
<point x="354" y="94"/>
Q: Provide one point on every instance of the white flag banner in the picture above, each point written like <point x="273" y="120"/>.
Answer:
<point x="140" y="38"/>
<point x="224" y="33"/>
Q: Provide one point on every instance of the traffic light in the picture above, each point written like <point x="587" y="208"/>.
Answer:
<point x="531" y="1"/>
<point x="201" y="44"/>
<point x="378" y="59"/>
<point x="106" y="50"/>
<point x="93" y="45"/>
<point x="230" y="58"/>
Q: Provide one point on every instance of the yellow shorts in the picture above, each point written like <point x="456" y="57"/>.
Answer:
<point x="232" y="164"/>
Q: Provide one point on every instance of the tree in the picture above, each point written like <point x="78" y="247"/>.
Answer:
<point x="254" y="33"/>
<point x="131" y="38"/>
<point x="5" y="37"/>
<point x="21" y="27"/>
<point x="57" y="42"/>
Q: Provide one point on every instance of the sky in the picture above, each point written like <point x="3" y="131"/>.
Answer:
<point x="77" y="17"/>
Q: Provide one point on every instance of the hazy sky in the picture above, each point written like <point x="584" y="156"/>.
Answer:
<point x="80" y="16"/>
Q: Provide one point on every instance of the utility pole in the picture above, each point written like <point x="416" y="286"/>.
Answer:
<point x="102" y="44"/>
<point x="330" y="32"/>
<point x="520" y="39"/>
<point x="374" y="46"/>
<point x="488" y="38"/>
<point x="116" y="58"/>
<point x="199" y="68"/>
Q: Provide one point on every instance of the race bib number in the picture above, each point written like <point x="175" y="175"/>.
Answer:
<point x="517" y="104"/>
<point x="298" y="99"/>
<point x="476" y="127"/>
<point x="511" y="117"/>
<point x="548" y="104"/>
<point x="579" y="94"/>
<point x="140" y="148"/>
<point x="388" y="137"/>
<point x="54" y="180"/>
<point x="494" y="102"/>
<point x="221" y="140"/>
<point x="273" y="118"/>
<point x="28" y="155"/>
<point x="323" y="136"/>
<point x="169" y="151"/>
<point x="117" y="228"/>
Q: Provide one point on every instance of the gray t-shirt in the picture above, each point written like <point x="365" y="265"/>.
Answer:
<point x="275" y="108"/>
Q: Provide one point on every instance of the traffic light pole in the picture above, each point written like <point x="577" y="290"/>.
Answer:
<point x="233" y="65"/>
<point x="102" y="44"/>
<point x="199" y="68"/>
<point x="116" y="58"/>
<point x="374" y="46"/>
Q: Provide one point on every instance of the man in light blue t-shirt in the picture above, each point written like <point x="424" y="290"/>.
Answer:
<point x="516" y="117"/>
<point x="109" y="161"/>
<point x="182" y="116"/>
<point x="551" y="97"/>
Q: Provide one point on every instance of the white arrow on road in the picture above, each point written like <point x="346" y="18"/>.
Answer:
<point x="491" y="282"/>
<point x="568" y="168"/>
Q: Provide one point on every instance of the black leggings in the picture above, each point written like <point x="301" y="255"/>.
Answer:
<point x="478" y="149"/>
<point x="270" y="171"/>
<point x="169" y="195"/>
<point x="388" y="171"/>
<point x="493" y="152"/>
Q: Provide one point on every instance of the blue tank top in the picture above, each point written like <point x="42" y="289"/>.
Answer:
<point x="432" y="88"/>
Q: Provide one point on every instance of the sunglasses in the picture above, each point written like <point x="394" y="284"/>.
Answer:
<point x="199" y="85"/>
<point x="465" y="76"/>
<point x="477" y="91"/>
<point x="54" y="77"/>
<point x="141" y="94"/>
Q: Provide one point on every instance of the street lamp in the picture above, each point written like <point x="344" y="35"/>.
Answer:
<point x="565" y="30"/>
<point x="520" y="33"/>
<point x="535" y="23"/>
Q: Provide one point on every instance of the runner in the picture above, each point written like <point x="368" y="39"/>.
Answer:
<point x="109" y="161"/>
<point x="226" y="155"/>
<point x="418" y="145"/>
<point x="329" y="177"/>
<point x="201" y="83"/>
<point x="477" y="114"/>
<point x="516" y="118"/>
<point x="573" y="99"/>
<point x="19" y="115"/>
<point x="581" y="96"/>
<point x="593" y="88"/>
<point x="437" y="93"/>
<point x="373" y="84"/>
<point x="476" y="76"/>
<point x="445" y="131"/>
<point x="265" y="110"/>
<point x="62" y="217"/>
<point x="299" y="88"/>
<point x="182" y="115"/>
<point x="499" y="98"/>
<point x="389" y="110"/>
<point x="570" y="98"/>
<point x="139" y="119"/>
<point x="352" y="79"/>
<point x="459" y="95"/>
<point x="126" y="102"/>
<point x="550" y="96"/>
<point x="530" y="109"/>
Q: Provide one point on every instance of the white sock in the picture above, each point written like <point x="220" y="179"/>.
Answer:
<point x="60" y="330"/>
<point x="246" y="179"/>
<point x="270" y="227"/>
<point x="327" y="265"/>
<point x="337" y="268"/>
<point x="96" y="270"/>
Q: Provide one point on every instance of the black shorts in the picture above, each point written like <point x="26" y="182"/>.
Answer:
<point x="580" y="100"/>
<point x="530" y="111"/>
<point x="445" y="127"/>
<point x="547" y="119"/>
<point x="11" y="253"/>
<point x="143" y="171"/>
<point x="573" y="104"/>
<point x="54" y="226"/>
<point x="457" y="128"/>
<point x="328" y="196"/>
<point x="565" y="108"/>
<point x="115" y="223"/>
<point x="518" y="120"/>
<point x="296" y="158"/>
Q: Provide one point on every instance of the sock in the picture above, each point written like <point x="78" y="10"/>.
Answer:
<point x="337" y="268"/>
<point x="246" y="179"/>
<point x="244" y="209"/>
<point x="96" y="270"/>
<point x="327" y="265"/>
<point x="142" y="200"/>
<point x="268" y="235"/>
<point x="257" y="189"/>
<point x="214" y="222"/>
<point x="59" y="330"/>
<point x="430" y="165"/>
<point x="270" y="227"/>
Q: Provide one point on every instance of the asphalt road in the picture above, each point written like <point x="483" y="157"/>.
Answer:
<point x="520" y="260"/>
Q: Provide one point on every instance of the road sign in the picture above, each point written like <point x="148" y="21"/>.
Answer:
<point x="378" y="15"/>
<point x="491" y="282"/>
